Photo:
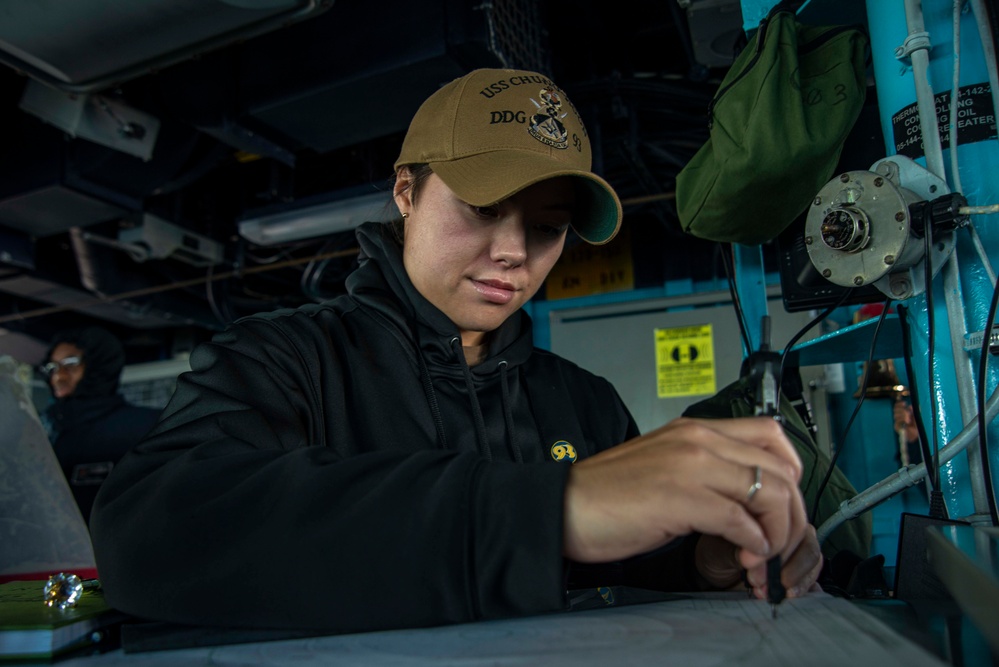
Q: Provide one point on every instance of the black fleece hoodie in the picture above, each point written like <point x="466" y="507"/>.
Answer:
<point x="339" y="467"/>
<point x="92" y="428"/>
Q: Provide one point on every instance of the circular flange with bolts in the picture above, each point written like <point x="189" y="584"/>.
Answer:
<point x="858" y="230"/>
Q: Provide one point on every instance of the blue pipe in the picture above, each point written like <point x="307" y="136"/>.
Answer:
<point x="978" y="155"/>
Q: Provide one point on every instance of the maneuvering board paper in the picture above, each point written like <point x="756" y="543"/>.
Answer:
<point x="706" y="630"/>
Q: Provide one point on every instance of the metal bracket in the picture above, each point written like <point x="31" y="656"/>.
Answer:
<point x="914" y="42"/>
<point x="973" y="341"/>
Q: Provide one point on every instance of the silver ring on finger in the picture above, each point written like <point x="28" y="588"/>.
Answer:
<point x="757" y="484"/>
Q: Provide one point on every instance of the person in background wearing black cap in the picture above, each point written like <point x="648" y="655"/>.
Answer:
<point x="403" y="456"/>
<point x="90" y="425"/>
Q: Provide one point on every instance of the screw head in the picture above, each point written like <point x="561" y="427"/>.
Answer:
<point x="826" y="273"/>
<point x="900" y="216"/>
<point x="818" y="201"/>
<point x="858" y="280"/>
<point x="808" y="240"/>
<point x="878" y="182"/>
<point x="844" y="177"/>
<point x="889" y="259"/>
<point x="900" y="287"/>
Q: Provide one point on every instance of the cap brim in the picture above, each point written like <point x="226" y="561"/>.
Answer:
<point x="488" y="178"/>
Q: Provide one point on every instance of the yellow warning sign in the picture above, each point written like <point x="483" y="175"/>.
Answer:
<point x="685" y="361"/>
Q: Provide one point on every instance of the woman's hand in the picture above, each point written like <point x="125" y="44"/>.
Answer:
<point x="718" y="563"/>
<point x="689" y="476"/>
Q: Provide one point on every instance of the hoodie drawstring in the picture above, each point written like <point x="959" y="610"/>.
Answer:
<point x="482" y="439"/>
<point x="480" y="423"/>
<point x="508" y="415"/>
<point x="428" y="389"/>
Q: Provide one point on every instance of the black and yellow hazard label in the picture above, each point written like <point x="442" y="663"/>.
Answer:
<point x="685" y="361"/>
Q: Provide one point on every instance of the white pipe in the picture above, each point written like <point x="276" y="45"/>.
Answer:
<point x="966" y="392"/>
<point x="989" y="52"/>
<point x="905" y="477"/>
<point x="989" y="49"/>
<point x="979" y="210"/>
<point x="980" y="248"/>
<point x="955" y="92"/>
<point x="925" y="104"/>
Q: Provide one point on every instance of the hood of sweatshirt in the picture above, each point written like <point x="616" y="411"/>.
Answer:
<point x="103" y="356"/>
<point x="381" y="282"/>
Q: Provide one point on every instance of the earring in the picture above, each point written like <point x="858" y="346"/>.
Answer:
<point x="405" y="215"/>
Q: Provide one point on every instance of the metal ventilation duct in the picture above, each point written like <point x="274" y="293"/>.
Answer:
<point x="88" y="46"/>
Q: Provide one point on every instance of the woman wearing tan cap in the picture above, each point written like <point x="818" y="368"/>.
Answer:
<point x="403" y="456"/>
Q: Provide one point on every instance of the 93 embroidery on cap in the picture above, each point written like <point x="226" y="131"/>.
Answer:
<point x="546" y="125"/>
<point x="563" y="451"/>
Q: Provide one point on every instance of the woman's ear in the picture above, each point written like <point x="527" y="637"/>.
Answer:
<point x="402" y="190"/>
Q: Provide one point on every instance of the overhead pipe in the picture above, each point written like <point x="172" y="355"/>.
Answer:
<point x="904" y="478"/>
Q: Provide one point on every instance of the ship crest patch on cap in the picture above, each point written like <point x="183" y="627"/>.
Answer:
<point x="546" y="125"/>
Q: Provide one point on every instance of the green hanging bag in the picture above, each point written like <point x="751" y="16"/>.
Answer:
<point x="778" y="123"/>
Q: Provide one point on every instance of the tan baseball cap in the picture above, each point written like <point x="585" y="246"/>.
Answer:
<point x="493" y="132"/>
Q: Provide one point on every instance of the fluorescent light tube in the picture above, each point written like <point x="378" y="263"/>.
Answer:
<point x="320" y="219"/>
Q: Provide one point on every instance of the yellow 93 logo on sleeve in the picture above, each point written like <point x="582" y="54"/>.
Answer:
<point x="563" y="451"/>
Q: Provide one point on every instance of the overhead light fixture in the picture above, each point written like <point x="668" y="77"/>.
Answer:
<point x="318" y="218"/>
<point x="96" y="118"/>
